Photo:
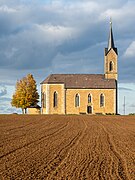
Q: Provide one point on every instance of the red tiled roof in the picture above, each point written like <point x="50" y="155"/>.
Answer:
<point x="81" y="81"/>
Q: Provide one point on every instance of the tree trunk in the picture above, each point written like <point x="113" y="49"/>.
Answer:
<point x="25" y="110"/>
<point x="22" y="111"/>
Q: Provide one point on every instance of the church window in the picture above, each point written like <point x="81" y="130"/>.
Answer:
<point x="111" y="66"/>
<point x="55" y="99"/>
<point x="77" y="100"/>
<point x="102" y="100"/>
<point x="89" y="98"/>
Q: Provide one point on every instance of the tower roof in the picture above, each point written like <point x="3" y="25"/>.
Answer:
<point x="111" y="41"/>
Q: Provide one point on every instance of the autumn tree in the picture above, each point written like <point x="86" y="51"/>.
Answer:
<point x="26" y="93"/>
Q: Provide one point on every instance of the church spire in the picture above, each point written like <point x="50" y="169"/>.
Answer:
<point x="111" y="56"/>
<point x="111" y="41"/>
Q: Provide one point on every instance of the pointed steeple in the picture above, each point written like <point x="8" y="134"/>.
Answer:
<point x="111" y="41"/>
<point x="111" y="58"/>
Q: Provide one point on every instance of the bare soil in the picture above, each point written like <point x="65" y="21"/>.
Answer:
<point x="67" y="147"/>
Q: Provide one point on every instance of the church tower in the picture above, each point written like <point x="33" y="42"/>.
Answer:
<point x="111" y="57"/>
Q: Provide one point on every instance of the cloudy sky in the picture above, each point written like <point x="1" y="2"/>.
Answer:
<point x="64" y="36"/>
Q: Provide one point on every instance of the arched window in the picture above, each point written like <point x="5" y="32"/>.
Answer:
<point x="102" y="99"/>
<point x="55" y="99"/>
<point x="89" y="98"/>
<point x="77" y="100"/>
<point x="111" y="66"/>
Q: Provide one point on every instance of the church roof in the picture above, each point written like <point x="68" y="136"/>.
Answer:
<point x="81" y="81"/>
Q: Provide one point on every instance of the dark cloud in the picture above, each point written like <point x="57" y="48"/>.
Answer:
<point x="43" y="37"/>
<point x="32" y="36"/>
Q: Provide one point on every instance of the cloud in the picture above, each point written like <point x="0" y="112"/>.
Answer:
<point x="40" y="35"/>
<point x="34" y="34"/>
<point x="130" y="52"/>
<point x="7" y="9"/>
<point x="125" y="89"/>
<point x="132" y="105"/>
<point x="3" y="91"/>
<point x="4" y="99"/>
<point x="5" y="106"/>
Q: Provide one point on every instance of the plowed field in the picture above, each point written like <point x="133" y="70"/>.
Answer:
<point x="67" y="147"/>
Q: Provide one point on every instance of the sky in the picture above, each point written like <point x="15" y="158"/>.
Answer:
<point x="42" y="37"/>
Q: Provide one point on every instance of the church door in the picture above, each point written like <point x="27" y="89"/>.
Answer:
<point x="89" y="109"/>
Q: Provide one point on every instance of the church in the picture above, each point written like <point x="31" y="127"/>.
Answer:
<point x="83" y="93"/>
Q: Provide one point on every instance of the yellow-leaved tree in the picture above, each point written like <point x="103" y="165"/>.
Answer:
<point x="26" y="93"/>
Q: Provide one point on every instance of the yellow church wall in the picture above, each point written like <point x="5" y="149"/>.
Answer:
<point x="49" y="89"/>
<point x="59" y="88"/>
<point x="66" y="98"/>
<point x="33" y="111"/>
<point x="111" y="56"/>
<point x="109" y="106"/>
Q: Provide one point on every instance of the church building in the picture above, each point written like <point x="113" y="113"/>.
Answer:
<point x="83" y="93"/>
